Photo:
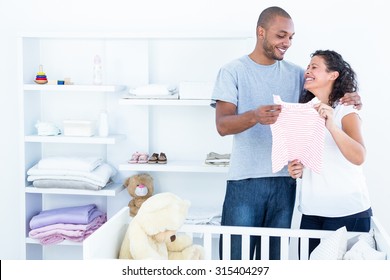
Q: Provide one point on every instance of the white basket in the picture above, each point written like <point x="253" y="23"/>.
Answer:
<point x="79" y="128"/>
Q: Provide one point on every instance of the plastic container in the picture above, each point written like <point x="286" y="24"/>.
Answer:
<point x="79" y="128"/>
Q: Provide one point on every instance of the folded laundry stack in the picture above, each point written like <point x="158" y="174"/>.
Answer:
<point x="204" y="216"/>
<point x="216" y="159"/>
<point x="70" y="223"/>
<point x="88" y="173"/>
<point x="47" y="129"/>
<point x="153" y="91"/>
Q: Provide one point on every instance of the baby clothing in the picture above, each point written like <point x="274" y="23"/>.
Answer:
<point x="298" y="133"/>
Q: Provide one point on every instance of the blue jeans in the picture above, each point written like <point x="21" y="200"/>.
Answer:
<point x="360" y="222"/>
<point x="259" y="202"/>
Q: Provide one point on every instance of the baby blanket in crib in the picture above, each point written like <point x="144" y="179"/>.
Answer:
<point x="298" y="133"/>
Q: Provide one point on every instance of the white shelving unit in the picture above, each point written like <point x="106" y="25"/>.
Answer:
<point x="165" y="102"/>
<point x="183" y="129"/>
<point x="110" y="190"/>
<point x="111" y="139"/>
<point x="195" y="166"/>
<point x="76" y="88"/>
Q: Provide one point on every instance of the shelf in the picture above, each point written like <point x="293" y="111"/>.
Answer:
<point x="170" y="102"/>
<point x="175" y="166"/>
<point x="234" y="35"/>
<point x="111" y="139"/>
<point x="110" y="190"/>
<point x="30" y="240"/>
<point x="78" y="88"/>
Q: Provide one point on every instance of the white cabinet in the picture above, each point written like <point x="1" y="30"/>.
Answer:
<point x="36" y="99"/>
<point x="183" y="129"/>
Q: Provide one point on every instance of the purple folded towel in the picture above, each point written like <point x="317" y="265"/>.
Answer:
<point x="68" y="215"/>
<point x="56" y="233"/>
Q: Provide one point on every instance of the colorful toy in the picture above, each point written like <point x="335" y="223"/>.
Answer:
<point x="41" y="77"/>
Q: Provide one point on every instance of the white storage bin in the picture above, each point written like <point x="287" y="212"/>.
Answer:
<point x="79" y="128"/>
<point x="196" y="90"/>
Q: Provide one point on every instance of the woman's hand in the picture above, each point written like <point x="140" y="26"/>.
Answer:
<point x="326" y="112"/>
<point x="295" y="169"/>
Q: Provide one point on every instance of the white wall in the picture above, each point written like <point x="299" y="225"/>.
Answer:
<point x="360" y="34"/>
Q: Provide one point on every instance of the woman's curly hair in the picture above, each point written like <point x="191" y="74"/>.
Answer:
<point x="345" y="82"/>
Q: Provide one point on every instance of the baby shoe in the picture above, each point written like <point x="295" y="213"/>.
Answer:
<point x="134" y="157"/>
<point x="153" y="158"/>
<point x="162" y="158"/>
<point x="143" y="158"/>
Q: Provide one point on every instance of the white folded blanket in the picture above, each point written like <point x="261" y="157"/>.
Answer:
<point x="70" y="163"/>
<point x="153" y="89"/>
<point x="99" y="176"/>
<point x="67" y="184"/>
<point x="204" y="215"/>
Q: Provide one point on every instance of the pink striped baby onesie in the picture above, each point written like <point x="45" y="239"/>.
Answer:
<point x="298" y="133"/>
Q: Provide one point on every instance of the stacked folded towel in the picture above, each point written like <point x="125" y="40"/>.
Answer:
<point x="216" y="159"/>
<point x="153" y="89"/>
<point x="204" y="216"/>
<point x="89" y="173"/>
<point x="47" y="129"/>
<point x="70" y="223"/>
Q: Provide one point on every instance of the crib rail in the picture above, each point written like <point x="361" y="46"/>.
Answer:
<point x="208" y="234"/>
<point x="106" y="241"/>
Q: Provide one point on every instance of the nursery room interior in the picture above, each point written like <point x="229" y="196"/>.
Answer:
<point x="94" y="94"/>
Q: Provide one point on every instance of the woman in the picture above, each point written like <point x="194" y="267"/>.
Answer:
<point x="337" y="196"/>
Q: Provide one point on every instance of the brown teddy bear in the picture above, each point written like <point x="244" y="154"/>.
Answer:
<point x="140" y="188"/>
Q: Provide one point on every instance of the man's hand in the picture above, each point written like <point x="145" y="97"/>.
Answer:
<point x="352" y="98"/>
<point x="267" y="114"/>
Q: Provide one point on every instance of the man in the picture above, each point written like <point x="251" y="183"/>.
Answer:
<point x="243" y="98"/>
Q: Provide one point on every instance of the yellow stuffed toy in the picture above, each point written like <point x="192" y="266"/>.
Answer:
<point x="151" y="234"/>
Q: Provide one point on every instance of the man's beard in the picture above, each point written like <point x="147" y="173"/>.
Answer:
<point x="270" y="51"/>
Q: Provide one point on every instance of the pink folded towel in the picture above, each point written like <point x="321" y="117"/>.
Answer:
<point x="56" y="233"/>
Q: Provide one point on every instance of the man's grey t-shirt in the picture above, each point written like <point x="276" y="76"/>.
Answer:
<point x="249" y="85"/>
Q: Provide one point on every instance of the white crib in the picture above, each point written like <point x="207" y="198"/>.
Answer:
<point x="106" y="241"/>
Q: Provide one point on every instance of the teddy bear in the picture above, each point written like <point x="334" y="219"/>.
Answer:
<point x="151" y="234"/>
<point x="140" y="188"/>
<point x="183" y="249"/>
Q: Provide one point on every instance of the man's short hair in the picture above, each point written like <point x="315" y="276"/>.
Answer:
<point x="269" y="14"/>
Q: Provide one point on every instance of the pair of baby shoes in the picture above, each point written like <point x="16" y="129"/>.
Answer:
<point x="139" y="158"/>
<point x="158" y="158"/>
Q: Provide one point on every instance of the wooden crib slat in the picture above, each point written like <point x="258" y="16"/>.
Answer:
<point x="245" y="247"/>
<point x="207" y="245"/>
<point x="226" y="246"/>
<point x="265" y="247"/>
<point x="284" y="248"/>
<point x="304" y="248"/>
